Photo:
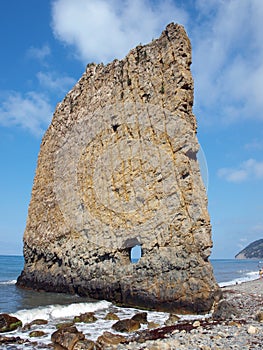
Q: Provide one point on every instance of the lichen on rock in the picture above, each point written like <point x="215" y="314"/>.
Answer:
<point x="118" y="168"/>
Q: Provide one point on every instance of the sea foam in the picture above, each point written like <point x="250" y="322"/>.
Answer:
<point x="249" y="276"/>
<point x="8" y="282"/>
<point x="52" y="312"/>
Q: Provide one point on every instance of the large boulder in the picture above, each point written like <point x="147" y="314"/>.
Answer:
<point x="117" y="169"/>
<point x="225" y="310"/>
<point x="67" y="337"/>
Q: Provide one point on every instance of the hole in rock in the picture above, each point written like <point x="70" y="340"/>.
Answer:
<point x="115" y="127"/>
<point x="135" y="253"/>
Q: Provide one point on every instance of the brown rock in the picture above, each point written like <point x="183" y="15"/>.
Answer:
<point x="37" y="322"/>
<point x="64" y="325"/>
<point x="225" y="310"/>
<point x="140" y="317"/>
<point x="112" y="316"/>
<point x="9" y="323"/>
<point x="126" y="326"/>
<point x="11" y="340"/>
<point x="259" y="316"/>
<point x="67" y="337"/>
<point x="35" y="334"/>
<point x="118" y="168"/>
<point x="108" y="338"/>
<point x="85" y="345"/>
<point x="172" y="319"/>
<point x="87" y="317"/>
<point x="152" y="325"/>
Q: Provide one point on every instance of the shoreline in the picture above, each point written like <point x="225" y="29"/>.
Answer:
<point x="233" y="325"/>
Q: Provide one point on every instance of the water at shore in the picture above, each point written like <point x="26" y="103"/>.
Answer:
<point x="12" y="299"/>
<point x="232" y="271"/>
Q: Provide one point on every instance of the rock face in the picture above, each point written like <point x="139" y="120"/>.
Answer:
<point x="118" y="168"/>
<point x="253" y="251"/>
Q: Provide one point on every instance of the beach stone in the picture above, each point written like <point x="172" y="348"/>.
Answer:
<point x="252" y="330"/>
<point x="9" y="323"/>
<point x="35" y="334"/>
<point x="225" y="310"/>
<point x="64" y="325"/>
<point x="259" y="316"/>
<point x="108" y="338"/>
<point x="111" y="316"/>
<point x="87" y="317"/>
<point x="11" y="340"/>
<point x="37" y="322"/>
<point x="140" y="317"/>
<point x="152" y="325"/>
<point x="118" y="168"/>
<point x="196" y="324"/>
<point x="67" y="337"/>
<point x="172" y="319"/>
<point x="126" y="325"/>
<point x="85" y="345"/>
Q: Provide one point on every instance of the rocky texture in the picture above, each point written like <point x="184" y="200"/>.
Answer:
<point x="5" y="341"/>
<point x="140" y="317"/>
<point x="112" y="316"/>
<point x="126" y="326"/>
<point x="172" y="320"/>
<point x="87" y="317"/>
<point x="225" y="310"/>
<point x="37" y="322"/>
<point x="9" y="323"/>
<point x="67" y="337"/>
<point x="118" y="168"/>
<point x="36" y="334"/>
<point x="253" y="251"/>
<point x="107" y="339"/>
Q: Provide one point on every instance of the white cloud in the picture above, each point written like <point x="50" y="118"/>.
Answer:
<point x="226" y="36"/>
<point x="255" y="144"/>
<point x="233" y="175"/>
<point x="39" y="53"/>
<point x="102" y="30"/>
<point x="250" y="169"/>
<point x="31" y="111"/>
<point x="228" y="59"/>
<point x="53" y="81"/>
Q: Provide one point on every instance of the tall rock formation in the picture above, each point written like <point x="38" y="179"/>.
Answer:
<point x="118" y="168"/>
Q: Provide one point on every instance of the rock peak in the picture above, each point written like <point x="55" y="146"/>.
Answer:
<point x="117" y="168"/>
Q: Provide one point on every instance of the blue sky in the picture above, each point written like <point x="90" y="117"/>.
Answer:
<point x="45" y="46"/>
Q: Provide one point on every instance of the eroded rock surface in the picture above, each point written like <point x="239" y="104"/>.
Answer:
<point x="118" y="168"/>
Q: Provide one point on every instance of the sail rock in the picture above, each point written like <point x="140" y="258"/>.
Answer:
<point x="117" y="168"/>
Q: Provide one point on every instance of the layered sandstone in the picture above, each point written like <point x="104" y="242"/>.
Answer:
<point x="118" y="168"/>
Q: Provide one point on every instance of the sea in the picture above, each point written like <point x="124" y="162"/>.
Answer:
<point x="56" y="307"/>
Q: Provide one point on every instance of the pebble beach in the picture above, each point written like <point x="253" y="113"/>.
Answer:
<point x="239" y="327"/>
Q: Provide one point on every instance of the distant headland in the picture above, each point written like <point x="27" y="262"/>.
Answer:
<point x="253" y="251"/>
